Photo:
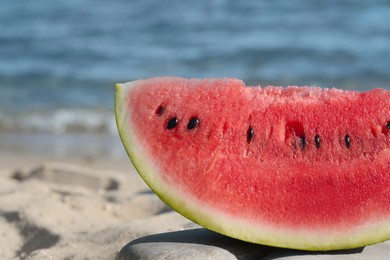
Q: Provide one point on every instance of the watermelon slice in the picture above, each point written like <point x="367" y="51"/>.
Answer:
<point x="296" y="167"/>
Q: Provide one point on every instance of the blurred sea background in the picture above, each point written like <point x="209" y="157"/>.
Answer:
<point x="59" y="60"/>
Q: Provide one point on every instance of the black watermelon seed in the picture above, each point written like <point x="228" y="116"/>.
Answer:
<point x="388" y="125"/>
<point x="160" y="110"/>
<point x="347" y="141"/>
<point x="317" y="141"/>
<point x="172" y="123"/>
<point x="192" y="123"/>
<point x="303" y="141"/>
<point x="249" y="134"/>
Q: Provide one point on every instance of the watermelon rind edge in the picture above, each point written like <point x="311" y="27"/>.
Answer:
<point x="216" y="221"/>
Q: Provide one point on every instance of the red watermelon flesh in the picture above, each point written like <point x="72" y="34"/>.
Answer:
<point x="297" y="167"/>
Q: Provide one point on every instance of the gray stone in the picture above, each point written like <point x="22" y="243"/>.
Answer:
<point x="375" y="252"/>
<point x="197" y="243"/>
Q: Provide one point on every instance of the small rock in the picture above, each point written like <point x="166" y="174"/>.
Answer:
<point x="374" y="252"/>
<point x="198" y="243"/>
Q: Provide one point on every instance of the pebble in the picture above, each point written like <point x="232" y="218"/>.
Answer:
<point x="197" y="243"/>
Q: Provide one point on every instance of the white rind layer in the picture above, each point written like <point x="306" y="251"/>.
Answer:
<point x="375" y="231"/>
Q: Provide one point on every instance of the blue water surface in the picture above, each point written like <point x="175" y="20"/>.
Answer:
<point x="58" y="56"/>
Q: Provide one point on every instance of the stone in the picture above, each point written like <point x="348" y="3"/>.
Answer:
<point x="195" y="243"/>
<point x="199" y="243"/>
<point x="374" y="252"/>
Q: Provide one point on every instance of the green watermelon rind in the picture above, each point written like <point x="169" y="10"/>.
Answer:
<point x="376" y="232"/>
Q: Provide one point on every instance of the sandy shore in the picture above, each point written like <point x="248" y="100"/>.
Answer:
<point x="74" y="208"/>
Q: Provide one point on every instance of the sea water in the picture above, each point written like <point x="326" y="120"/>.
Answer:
<point x="59" y="60"/>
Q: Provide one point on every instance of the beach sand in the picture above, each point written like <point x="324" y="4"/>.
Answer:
<point x="99" y="208"/>
<point x="74" y="208"/>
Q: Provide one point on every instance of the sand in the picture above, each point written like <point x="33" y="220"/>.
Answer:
<point x="75" y="208"/>
<point x="99" y="208"/>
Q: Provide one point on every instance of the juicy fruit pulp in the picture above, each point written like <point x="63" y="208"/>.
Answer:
<point x="293" y="167"/>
